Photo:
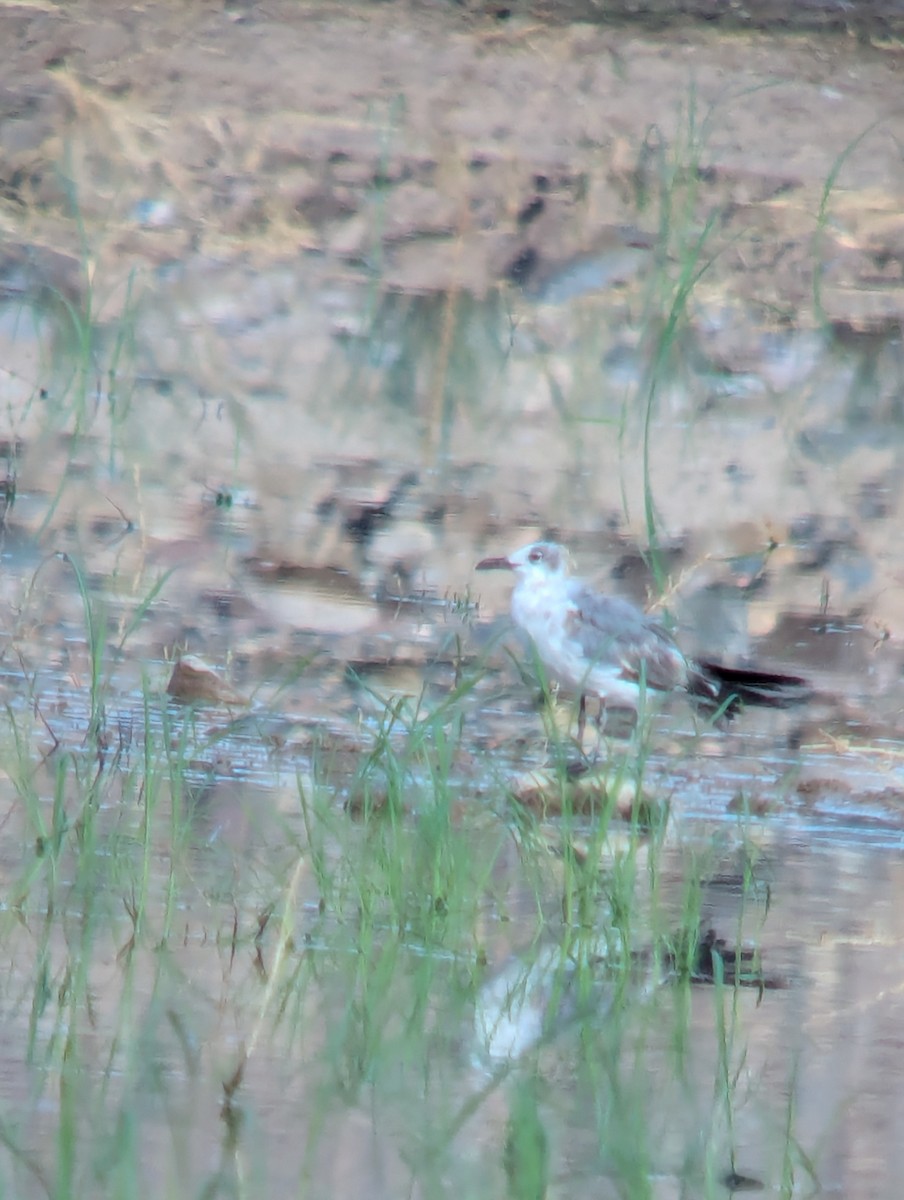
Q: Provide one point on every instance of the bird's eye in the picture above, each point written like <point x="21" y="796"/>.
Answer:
<point x="535" y="556"/>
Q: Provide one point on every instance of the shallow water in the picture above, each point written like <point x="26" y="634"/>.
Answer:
<point x="338" y="591"/>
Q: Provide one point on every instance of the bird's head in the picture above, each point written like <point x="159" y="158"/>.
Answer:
<point x="539" y="560"/>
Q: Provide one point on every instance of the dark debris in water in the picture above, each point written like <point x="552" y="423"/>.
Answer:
<point x="716" y="961"/>
<point x="362" y="520"/>
<point x="736" y="1182"/>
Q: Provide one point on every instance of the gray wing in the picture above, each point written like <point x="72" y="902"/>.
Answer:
<point x="612" y="631"/>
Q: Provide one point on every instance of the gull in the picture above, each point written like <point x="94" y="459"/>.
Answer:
<point x="607" y="647"/>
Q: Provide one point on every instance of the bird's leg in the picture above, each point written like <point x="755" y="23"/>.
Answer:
<point x="582" y="720"/>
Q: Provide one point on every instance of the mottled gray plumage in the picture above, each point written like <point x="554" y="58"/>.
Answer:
<point x="609" y="628"/>
<point x="609" y="648"/>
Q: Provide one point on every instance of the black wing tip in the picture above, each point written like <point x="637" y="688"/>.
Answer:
<point x="729" y="688"/>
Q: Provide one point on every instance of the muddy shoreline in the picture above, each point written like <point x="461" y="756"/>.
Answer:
<point x="873" y="19"/>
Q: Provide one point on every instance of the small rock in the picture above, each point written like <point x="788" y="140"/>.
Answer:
<point x="193" y="680"/>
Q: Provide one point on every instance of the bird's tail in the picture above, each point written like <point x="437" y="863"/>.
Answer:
<point x="725" y="690"/>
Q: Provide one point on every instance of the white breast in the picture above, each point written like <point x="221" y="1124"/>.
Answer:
<point x="541" y="611"/>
